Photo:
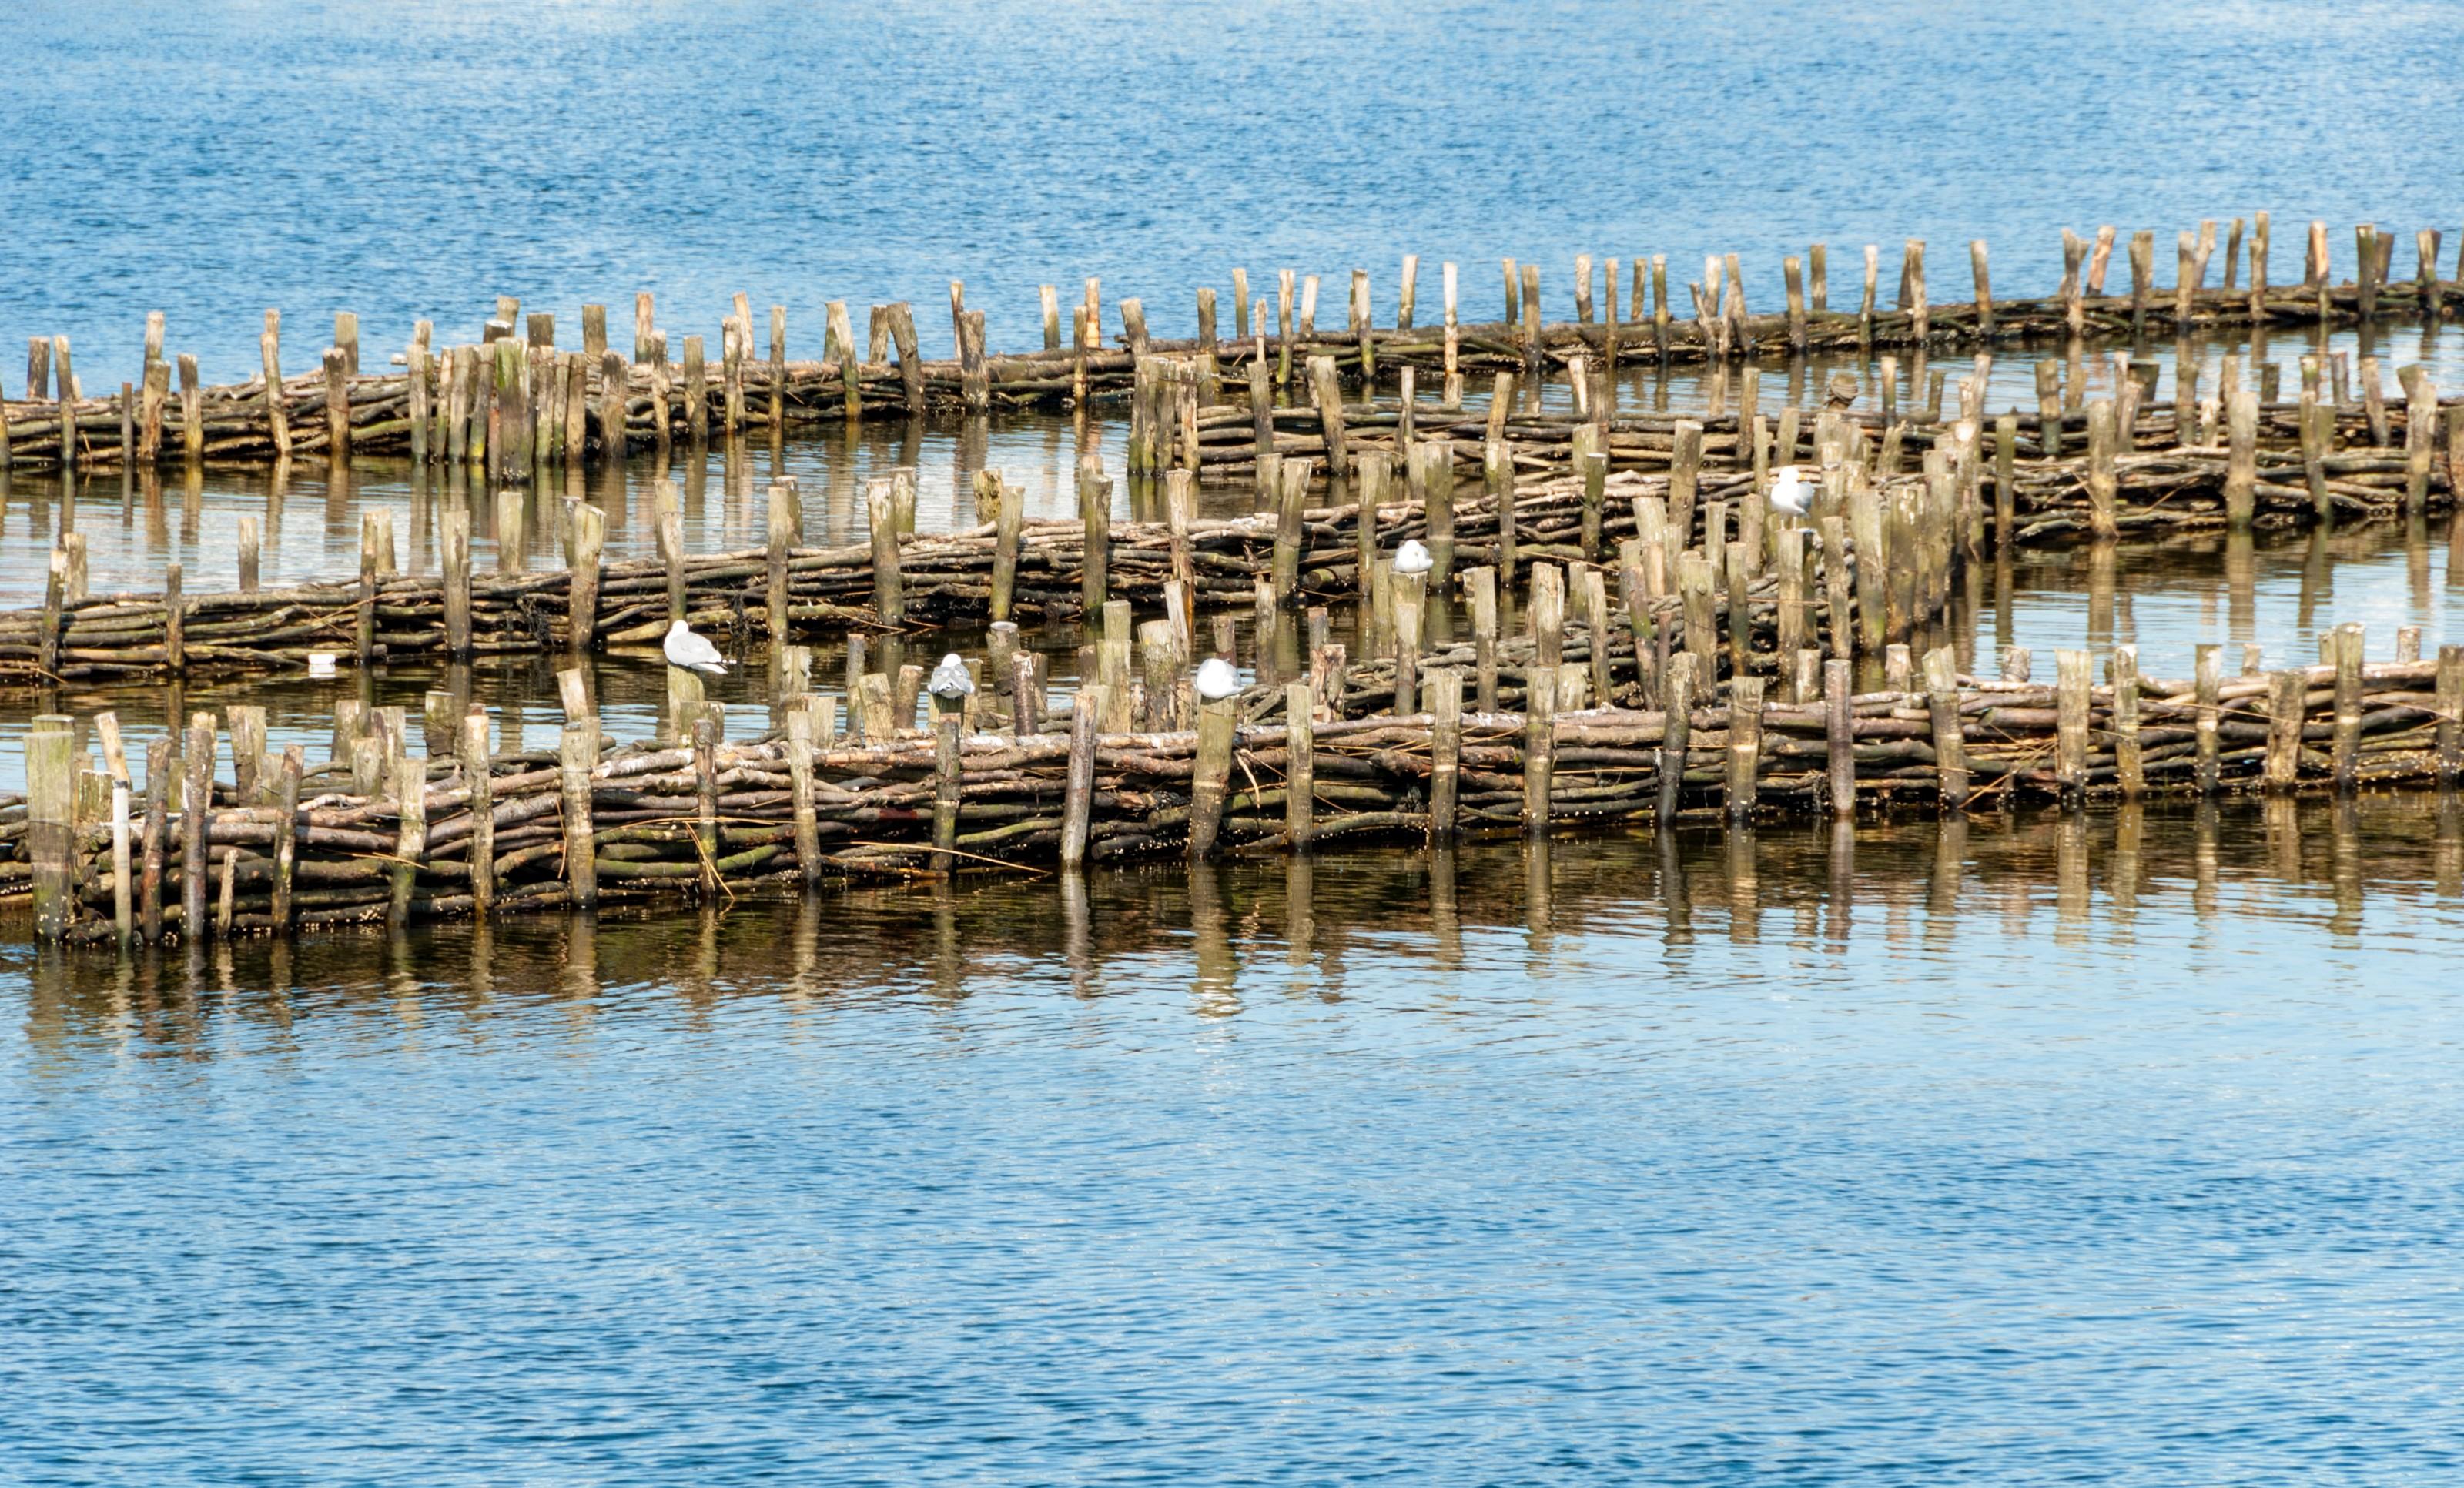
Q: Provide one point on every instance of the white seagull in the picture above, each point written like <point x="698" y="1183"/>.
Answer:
<point x="692" y="652"/>
<point x="1412" y="558"/>
<point x="1217" y="680"/>
<point x="949" y="680"/>
<point x="1790" y="492"/>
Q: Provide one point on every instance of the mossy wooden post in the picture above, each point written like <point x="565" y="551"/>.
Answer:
<point x="196" y="810"/>
<point x="268" y="344"/>
<point x="1676" y="728"/>
<point x="2241" y="458"/>
<point x="799" y="789"/>
<point x="2345" y="646"/>
<point x="888" y="594"/>
<point x="2129" y="761"/>
<point x="364" y="620"/>
<point x="471" y="745"/>
<point x="1839" y="734"/>
<point x="696" y="390"/>
<point x="1481" y="585"/>
<point x="779" y="363"/>
<point x="50" y="815"/>
<point x="2287" y="699"/>
<point x="2449" y="736"/>
<point x="2006" y="496"/>
<point x="1745" y="744"/>
<point x="1592" y="465"/>
<point x="1078" y="785"/>
<point x="455" y="560"/>
<point x="1210" y="775"/>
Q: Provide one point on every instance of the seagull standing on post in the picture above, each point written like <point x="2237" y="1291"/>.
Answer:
<point x="1791" y="493"/>
<point x="692" y="652"/>
<point x="1412" y="558"/>
<point x="1217" y="680"/>
<point x="950" y="682"/>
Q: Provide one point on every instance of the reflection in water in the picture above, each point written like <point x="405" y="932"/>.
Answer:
<point x="2010" y="1107"/>
<point x="2112" y="875"/>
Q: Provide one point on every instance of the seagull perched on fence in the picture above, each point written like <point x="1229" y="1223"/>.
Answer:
<point x="1790" y="492"/>
<point x="1217" y="680"/>
<point x="949" y="680"/>
<point x="1412" y="558"/>
<point x="692" y="652"/>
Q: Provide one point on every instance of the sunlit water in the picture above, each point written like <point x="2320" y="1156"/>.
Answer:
<point x="2111" y="1149"/>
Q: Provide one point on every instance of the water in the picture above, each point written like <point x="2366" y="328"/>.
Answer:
<point x="2099" y="1148"/>
<point x="232" y="156"/>
<point x="2107" y="1147"/>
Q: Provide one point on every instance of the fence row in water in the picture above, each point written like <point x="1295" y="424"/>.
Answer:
<point x="515" y="401"/>
<point x="1674" y="505"/>
<point x="380" y="834"/>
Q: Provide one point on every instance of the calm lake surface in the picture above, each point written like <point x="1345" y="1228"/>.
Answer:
<point x="2109" y="1148"/>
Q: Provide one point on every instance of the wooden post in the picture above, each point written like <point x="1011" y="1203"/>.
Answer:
<point x="889" y="595"/>
<point x="1289" y="531"/>
<point x="196" y="810"/>
<point x="1008" y="527"/>
<point x="1480" y="583"/>
<point x="363" y="627"/>
<point x="1984" y="286"/>
<point x="454" y="559"/>
<point x="1096" y="511"/>
<point x="1840" y="735"/>
<point x="1745" y="741"/>
<point x="2071" y="716"/>
<point x="2450" y="704"/>
<point x="703" y="735"/>
<point x="1209" y="775"/>
<point x="1676" y="728"/>
<point x="2129" y="766"/>
<point x="2241" y="457"/>
<point x="2288" y="698"/>
<point x="411" y="835"/>
<point x="1539" y="744"/>
<point x="1685" y="476"/>
<point x="588" y="526"/>
<point x="1497" y="471"/>
<point x="50" y="816"/>
<point x="781" y="535"/>
<point x="2346" y="645"/>
<point x="614" y="390"/>
<point x="2207" y="716"/>
<point x="2103" y="484"/>
<point x="1078" y="788"/>
<point x="1950" y="735"/>
<point x="471" y="745"/>
<point x="286" y="839"/>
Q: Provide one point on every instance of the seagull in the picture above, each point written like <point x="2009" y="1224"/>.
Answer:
<point x="1412" y="558"/>
<point x="949" y="680"/>
<point x="1217" y="680"/>
<point x="1790" y="492"/>
<point x="692" y="652"/>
